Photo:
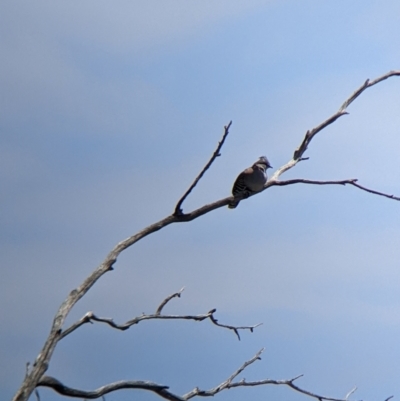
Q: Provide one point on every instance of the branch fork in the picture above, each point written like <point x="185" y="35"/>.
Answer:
<point x="164" y="392"/>
<point x="90" y="317"/>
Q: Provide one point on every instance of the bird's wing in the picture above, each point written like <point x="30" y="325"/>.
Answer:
<point x="239" y="185"/>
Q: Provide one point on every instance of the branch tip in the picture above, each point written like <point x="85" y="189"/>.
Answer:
<point x="166" y="300"/>
<point x="295" y="378"/>
<point x="350" y="393"/>
<point x="178" y="208"/>
<point x="298" y="153"/>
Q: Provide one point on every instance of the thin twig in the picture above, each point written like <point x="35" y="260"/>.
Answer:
<point x="371" y="191"/>
<point x="234" y="328"/>
<point x="166" y="300"/>
<point x="367" y="84"/>
<point x="350" y="393"/>
<point x="351" y="181"/>
<point x="309" y="393"/>
<point x="224" y="385"/>
<point x="228" y="384"/>
<point x="178" y="208"/>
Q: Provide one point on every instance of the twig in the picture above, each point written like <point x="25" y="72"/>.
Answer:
<point x="351" y="181"/>
<point x="166" y="300"/>
<point x="227" y="384"/>
<point x="350" y="393"/>
<point x="371" y="191"/>
<point x="224" y="385"/>
<point x="178" y="208"/>
<point x="234" y="328"/>
<point x="298" y="153"/>
<point x="309" y="393"/>
<point x="90" y="317"/>
<point x="367" y="84"/>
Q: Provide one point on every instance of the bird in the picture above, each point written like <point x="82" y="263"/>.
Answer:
<point x="250" y="181"/>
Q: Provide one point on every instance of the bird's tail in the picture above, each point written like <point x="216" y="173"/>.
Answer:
<point x="232" y="204"/>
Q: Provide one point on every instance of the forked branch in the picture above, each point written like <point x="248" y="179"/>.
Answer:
<point x="163" y="391"/>
<point x="299" y="152"/>
<point x="90" y="317"/>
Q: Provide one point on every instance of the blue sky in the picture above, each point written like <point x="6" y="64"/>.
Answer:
<point x="107" y="113"/>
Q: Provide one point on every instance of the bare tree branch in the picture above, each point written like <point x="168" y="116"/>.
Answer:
<point x="350" y="181"/>
<point x="178" y="208"/>
<point x="234" y="328"/>
<point x="224" y="385"/>
<point x="227" y="384"/>
<point x="309" y="393"/>
<point x="166" y="300"/>
<point x="90" y="317"/>
<point x="367" y="84"/>
<point x="298" y="153"/>
<point x="162" y="391"/>
<point x="371" y="191"/>
<point x="60" y="388"/>
<point x="42" y="361"/>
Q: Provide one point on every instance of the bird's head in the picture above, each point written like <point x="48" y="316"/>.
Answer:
<point x="264" y="161"/>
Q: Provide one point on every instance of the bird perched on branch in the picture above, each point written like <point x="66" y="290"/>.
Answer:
<point x="250" y="181"/>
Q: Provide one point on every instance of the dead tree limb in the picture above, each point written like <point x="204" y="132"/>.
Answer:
<point x="90" y="317"/>
<point x="163" y="391"/>
<point x="298" y="153"/>
<point x="62" y="389"/>
<point x="41" y="363"/>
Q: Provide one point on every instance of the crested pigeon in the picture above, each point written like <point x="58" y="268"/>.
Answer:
<point x="250" y="181"/>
